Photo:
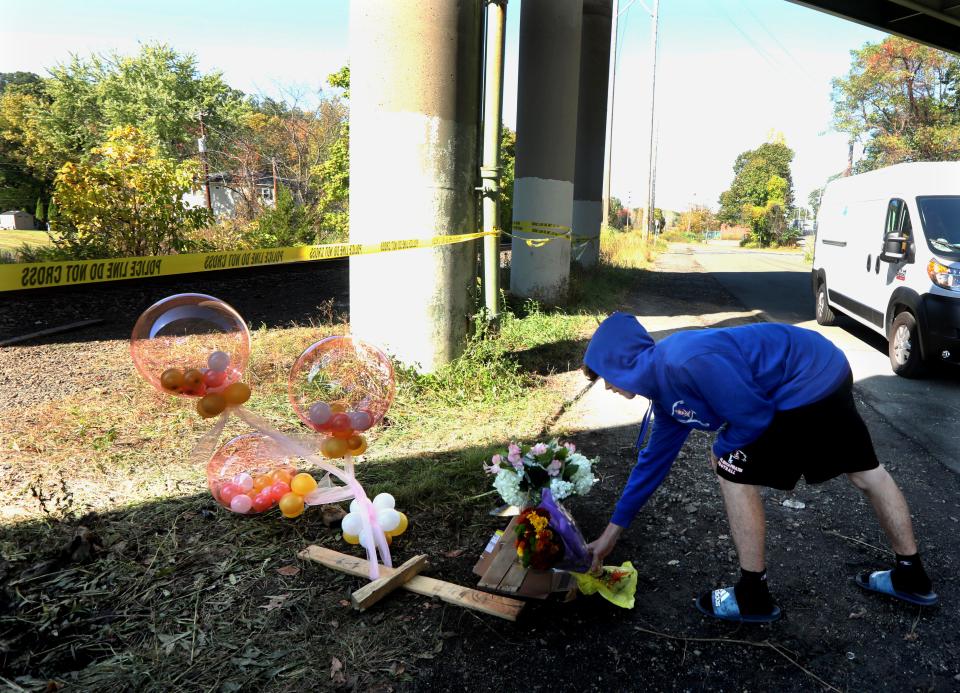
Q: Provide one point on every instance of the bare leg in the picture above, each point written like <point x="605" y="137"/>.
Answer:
<point x="890" y="506"/>
<point x="747" y="524"/>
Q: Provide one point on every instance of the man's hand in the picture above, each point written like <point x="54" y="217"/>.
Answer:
<point x="601" y="547"/>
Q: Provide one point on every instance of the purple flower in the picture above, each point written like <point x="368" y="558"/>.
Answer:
<point x="553" y="469"/>
<point x="513" y="454"/>
<point x="570" y="446"/>
<point x="538" y="449"/>
<point x="517" y="464"/>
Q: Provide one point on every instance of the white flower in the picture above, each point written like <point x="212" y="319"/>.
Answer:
<point x="560" y="488"/>
<point x="507" y="484"/>
<point x="538" y="449"/>
<point x="582" y="479"/>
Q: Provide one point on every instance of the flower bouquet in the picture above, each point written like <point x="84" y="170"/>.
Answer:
<point x="525" y="471"/>
<point x="536" y="478"/>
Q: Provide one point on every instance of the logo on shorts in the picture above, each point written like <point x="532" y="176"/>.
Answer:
<point x="726" y="463"/>
<point x="685" y="414"/>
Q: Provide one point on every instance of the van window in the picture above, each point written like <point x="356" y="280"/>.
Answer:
<point x="940" y="217"/>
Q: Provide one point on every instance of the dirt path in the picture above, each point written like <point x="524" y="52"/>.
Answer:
<point x="833" y="636"/>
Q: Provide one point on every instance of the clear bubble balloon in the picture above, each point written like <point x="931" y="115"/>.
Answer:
<point x="190" y="345"/>
<point x="247" y="467"/>
<point x="340" y="385"/>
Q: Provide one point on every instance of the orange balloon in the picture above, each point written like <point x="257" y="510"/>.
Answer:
<point x="236" y="393"/>
<point x="291" y="505"/>
<point x="172" y="379"/>
<point x="282" y="475"/>
<point x="333" y="448"/>
<point x="302" y="484"/>
<point x="192" y="379"/>
<point x="211" y="405"/>
<point x="356" y="444"/>
<point x="261" y="482"/>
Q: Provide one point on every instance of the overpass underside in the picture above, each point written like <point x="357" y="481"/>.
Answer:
<point x="934" y="22"/>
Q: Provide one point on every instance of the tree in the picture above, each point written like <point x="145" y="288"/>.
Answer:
<point x="333" y="175"/>
<point x="24" y="81"/>
<point x="814" y="200"/>
<point x="900" y="99"/>
<point x="615" y="216"/>
<point x="508" y="167"/>
<point x="752" y="172"/>
<point x="158" y="91"/>
<point x="124" y="199"/>
<point x="38" y="214"/>
<point x="286" y="223"/>
<point x="697" y="221"/>
<point x="19" y="185"/>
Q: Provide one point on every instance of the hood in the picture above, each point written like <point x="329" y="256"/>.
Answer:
<point x="621" y="352"/>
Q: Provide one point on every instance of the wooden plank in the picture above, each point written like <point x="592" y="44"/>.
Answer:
<point x="493" y="604"/>
<point x="513" y="580"/>
<point x="371" y="593"/>
<point x="503" y="561"/>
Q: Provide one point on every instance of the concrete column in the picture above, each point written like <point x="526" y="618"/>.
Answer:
<point x="547" y="86"/>
<point x="591" y="127"/>
<point x="414" y="102"/>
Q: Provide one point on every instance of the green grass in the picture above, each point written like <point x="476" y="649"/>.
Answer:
<point x="12" y="241"/>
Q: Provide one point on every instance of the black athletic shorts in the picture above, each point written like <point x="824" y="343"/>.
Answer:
<point x="817" y="441"/>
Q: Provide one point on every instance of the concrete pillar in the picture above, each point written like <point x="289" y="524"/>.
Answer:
<point x="547" y="86"/>
<point x="591" y="127"/>
<point x="414" y="102"/>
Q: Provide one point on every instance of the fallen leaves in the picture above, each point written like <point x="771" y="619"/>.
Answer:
<point x="337" y="674"/>
<point x="288" y="571"/>
<point x="276" y="601"/>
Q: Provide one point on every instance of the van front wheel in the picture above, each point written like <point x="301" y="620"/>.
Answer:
<point x="905" y="346"/>
<point x="825" y="314"/>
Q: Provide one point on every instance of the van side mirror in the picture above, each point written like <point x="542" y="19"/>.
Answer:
<point x="896" y="249"/>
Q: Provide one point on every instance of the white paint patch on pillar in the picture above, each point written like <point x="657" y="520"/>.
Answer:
<point x="586" y="224"/>
<point x="541" y="272"/>
<point x="405" y="183"/>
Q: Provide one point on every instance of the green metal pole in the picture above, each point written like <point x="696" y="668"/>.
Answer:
<point x="490" y="167"/>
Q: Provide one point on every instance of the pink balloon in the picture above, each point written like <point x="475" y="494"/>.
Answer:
<point x="228" y="492"/>
<point x="241" y="504"/>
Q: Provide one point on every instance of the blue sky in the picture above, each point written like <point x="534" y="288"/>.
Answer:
<point x="730" y="71"/>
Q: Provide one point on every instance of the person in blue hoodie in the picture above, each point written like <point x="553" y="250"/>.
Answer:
<point x="764" y="388"/>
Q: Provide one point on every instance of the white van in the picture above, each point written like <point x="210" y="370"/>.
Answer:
<point x="887" y="254"/>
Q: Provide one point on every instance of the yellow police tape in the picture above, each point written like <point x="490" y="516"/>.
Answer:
<point x="548" y="233"/>
<point x="43" y="274"/>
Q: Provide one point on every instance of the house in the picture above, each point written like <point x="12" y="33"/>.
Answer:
<point x="226" y="193"/>
<point x="16" y="219"/>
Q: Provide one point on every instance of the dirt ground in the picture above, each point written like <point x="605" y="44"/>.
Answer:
<point x="291" y="627"/>
<point x="833" y="636"/>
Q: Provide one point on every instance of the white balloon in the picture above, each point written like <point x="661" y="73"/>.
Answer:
<point x="351" y="524"/>
<point x="354" y="506"/>
<point x="388" y="519"/>
<point x="244" y="481"/>
<point x="366" y="540"/>
<point x="384" y="500"/>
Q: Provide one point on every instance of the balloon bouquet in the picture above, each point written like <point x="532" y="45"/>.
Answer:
<point x="196" y="346"/>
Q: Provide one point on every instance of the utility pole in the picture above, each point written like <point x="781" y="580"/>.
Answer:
<point x="274" y="162"/>
<point x="202" y="147"/>
<point x="611" y="91"/>
<point x="648" y="211"/>
<point x="490" y="167"/>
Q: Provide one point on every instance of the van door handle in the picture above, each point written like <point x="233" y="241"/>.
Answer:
<point x="869" y="263"/>
<point x="877" y="270"/>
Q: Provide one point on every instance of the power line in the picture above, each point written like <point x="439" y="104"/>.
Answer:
<point x="800" y="68"/>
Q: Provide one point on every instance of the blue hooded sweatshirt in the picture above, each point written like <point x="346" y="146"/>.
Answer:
<point x="730" y="380"/>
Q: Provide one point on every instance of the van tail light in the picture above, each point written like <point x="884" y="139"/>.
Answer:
<point x="943" y="276"/>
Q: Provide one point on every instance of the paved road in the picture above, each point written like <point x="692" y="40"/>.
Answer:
<point x="777" y="285"/>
